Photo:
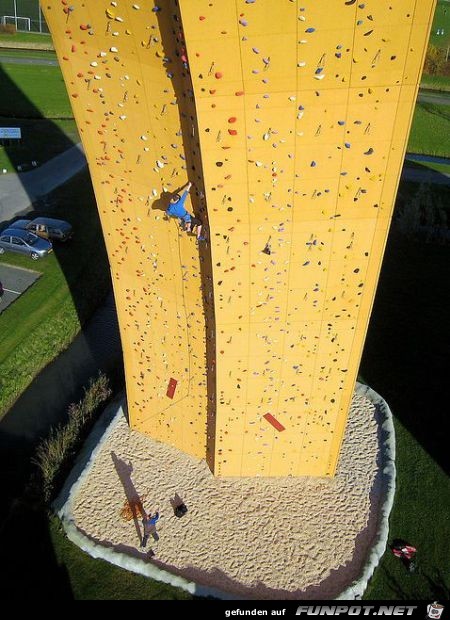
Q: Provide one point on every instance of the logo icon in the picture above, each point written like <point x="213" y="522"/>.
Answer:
<point x="435" y="610"/>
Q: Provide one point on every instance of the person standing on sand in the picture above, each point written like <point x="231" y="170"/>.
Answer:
<point x="149" y="523"/>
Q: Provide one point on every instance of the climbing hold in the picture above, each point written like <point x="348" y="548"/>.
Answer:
<point x="313" y="164"/>
<point x="274" y="422"/>
<point x="171" y="388"/>
<point x="310" y="30"/>
<point x="369" y="152"/>
<point x="238" y="93"/>
<point x="243" y="22"/>
<point x="232" y="132"/>
<point x="232" y="119"/>
<point x="218" y="75"/>
<point x="202" y="18"/>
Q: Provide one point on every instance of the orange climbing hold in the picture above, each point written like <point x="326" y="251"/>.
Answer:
<point x="171" y="388"/>
<point x="218" y="75"/>
<point x="269" y="417"/>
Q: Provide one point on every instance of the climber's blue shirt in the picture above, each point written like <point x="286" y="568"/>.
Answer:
<point x="177" y="209"/>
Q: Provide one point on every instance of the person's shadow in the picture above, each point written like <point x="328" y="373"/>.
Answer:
<point x="162" y="203"/>
<point x="124" y="471"/>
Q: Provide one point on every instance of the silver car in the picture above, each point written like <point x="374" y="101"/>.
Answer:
<point x="24" y="242"/>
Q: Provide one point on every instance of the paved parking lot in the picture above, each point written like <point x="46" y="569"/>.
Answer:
<point x="15" y="281"/>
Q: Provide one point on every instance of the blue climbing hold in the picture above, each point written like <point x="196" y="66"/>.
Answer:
<point x="310" y="30"/>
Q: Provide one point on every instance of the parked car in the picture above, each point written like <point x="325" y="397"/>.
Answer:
<point x="46" y="227"/>
<point x="24" y="242"/>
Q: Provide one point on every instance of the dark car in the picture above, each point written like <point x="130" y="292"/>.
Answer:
<point x="46" y="227"/>
<point x="24" y="242"/>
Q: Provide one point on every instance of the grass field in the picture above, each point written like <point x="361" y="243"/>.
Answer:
<point x="43" y="93"/>
<point x="435" y="82"/>
<point x="75" y="279"/>
<point x="26" y="38"/>
<point x="37" y="54"/>
<point x="441" y="21"/>
<point x="431" y="124"/>
<point x="35" y="99"/>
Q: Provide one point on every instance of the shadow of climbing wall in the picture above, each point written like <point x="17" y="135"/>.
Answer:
<point x="304" y="109"/>
<point x="125" y="81"/>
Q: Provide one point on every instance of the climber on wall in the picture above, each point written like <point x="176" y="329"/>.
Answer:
<point x="177" y="209"/>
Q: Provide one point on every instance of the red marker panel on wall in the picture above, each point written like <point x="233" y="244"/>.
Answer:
<point x="274" y="422"/>
<point x="171" y="388"/>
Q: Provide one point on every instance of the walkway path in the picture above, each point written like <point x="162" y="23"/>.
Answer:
<point x="27" y="60"/>
<point x="19" y="191"/>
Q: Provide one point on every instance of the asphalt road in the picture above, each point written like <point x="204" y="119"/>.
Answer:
<point x="14" y="281"/>
<point x="25" y="60"/>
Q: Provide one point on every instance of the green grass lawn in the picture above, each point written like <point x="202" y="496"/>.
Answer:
<point x="431" y="123"/>
<point x="435" y="82"/>
<point x="75" y="278"/>
<point x="406" y="360"/>
<point x="30" y="91"/>
<point x="41" y="140"/>
<point x="35" y="99"/>
<point x="37" y="54"/>
<point x="441" y="20"/>
<point x="26" y="37"/>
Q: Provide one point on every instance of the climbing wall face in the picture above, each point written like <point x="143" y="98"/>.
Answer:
<point x="124" y="78"/>
<point x="304" y="109"/>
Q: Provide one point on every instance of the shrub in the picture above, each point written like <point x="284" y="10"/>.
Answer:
<point x="55" y="454"/>
<point x="7" y="29"/>
<point x="435" y="62"/>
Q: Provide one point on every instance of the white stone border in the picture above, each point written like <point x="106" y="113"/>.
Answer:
<point x="104" y="427"/>
<point x="388" y="473"/>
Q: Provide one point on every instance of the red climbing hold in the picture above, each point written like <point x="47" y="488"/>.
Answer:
<point x="171" y="388"/>
<point x="202" y="17"/>
<point x="269" y="417"/>
<point x="218" y="75"/>
<point x="238" y="93"/>
<point x="232" y="132"/>
<point x="232" y="119"/>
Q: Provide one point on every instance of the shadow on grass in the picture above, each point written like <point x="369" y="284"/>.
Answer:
<point x="405" y="356"/>
<point x="25" y="542"/>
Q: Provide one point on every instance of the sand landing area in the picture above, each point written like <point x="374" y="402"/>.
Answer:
<point x="259" y="538"/>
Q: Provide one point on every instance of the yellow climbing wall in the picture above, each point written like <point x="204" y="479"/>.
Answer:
<point x="304" y="109"/>
<point x="115" y="61"/>
<point x="293" y="130"/>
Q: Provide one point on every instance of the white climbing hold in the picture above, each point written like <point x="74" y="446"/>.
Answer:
<point x="113" y="49"/>
<point x="119" y="19"/>
<point x="122" y="117"/>
<point x="102" y="54"/>
<point x="160" y="164"/>
<point x="97" y="77"/>
<point x="94" y="64"/>
<point x="144" y="137"/>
